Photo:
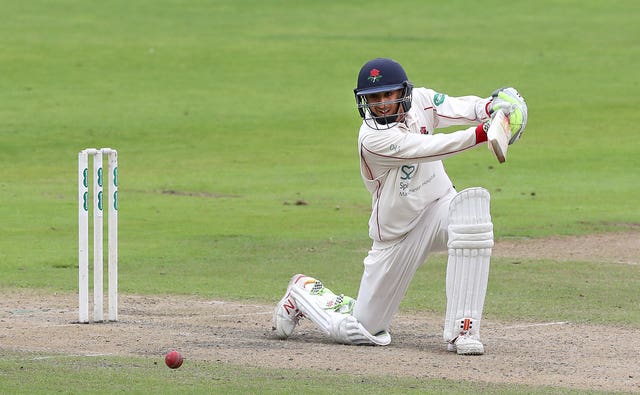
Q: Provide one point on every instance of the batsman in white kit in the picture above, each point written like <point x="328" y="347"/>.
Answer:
<point x="415" y="209"/>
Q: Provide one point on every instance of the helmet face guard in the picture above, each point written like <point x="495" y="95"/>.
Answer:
<point x="383" y="122"/>
<point x="377" y="76"/>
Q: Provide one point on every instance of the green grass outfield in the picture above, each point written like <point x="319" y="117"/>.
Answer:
<point x="62" y="374"/>
<point x="228" y="114"/>
<point x="59" y="374"/>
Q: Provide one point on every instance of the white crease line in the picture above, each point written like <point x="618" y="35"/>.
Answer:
<point x="72" y="355"/>
<point x="534" y="325"/>
<point x="241" y="315"/>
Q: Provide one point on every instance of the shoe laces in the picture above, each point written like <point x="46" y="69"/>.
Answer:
<point x="317" y="289"/>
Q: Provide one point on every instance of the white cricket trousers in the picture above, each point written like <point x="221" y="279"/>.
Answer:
<point x="389" y="271"/>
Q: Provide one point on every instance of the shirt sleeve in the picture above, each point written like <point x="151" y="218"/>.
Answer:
<point x="462" y="110"/>
<point x="396" y="147"/>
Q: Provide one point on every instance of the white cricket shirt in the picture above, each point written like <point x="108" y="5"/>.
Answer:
<point x="402" y="166"/>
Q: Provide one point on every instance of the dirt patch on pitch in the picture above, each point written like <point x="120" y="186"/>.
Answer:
<point x="560" y="354"/>
<point x="607" y="247"/>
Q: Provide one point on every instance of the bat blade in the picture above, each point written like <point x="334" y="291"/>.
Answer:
<point x="498" y="136"/>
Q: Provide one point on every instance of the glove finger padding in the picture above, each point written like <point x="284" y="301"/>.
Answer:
<point x="510" y="101"/>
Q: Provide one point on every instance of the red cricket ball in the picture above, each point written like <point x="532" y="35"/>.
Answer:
<point x="173" y="359"/>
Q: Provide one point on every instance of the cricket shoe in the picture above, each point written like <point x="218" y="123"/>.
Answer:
<point x="286" y="315"/>
<point x="465" y="344"/>
<point x="324" y="297"/>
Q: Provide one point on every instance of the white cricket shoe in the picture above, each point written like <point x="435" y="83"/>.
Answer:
<point x="286" y="315"/>
<point x="465" y="344"/>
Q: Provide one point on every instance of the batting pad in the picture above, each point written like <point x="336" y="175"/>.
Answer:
<point x="470" y="243"/>
<point x="341" y="327"/>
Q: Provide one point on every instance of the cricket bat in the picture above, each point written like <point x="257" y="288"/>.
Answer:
<point x="498" y="135"/>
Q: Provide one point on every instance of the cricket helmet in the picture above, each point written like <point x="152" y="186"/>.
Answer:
<point x="382" y="75"/>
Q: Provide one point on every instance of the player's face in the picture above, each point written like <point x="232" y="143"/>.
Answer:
<point x="384" y="104"/>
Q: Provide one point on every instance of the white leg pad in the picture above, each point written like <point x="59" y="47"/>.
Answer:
<point x="470" y="244"/>
<point x="340" y="326"/>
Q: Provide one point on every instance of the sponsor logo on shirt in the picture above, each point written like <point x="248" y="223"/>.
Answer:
<point x="407" y="171"/>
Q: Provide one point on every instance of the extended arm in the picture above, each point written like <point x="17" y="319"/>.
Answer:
<point x="463" y="110"/>
<point x="393" y="149"/>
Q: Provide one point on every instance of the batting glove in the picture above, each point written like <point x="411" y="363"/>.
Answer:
<point x="513" y="105"/>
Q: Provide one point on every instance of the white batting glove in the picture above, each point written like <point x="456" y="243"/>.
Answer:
<point x="510" y="101"/>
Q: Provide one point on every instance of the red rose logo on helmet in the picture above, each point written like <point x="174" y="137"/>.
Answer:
<point x="374" y="75"/>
